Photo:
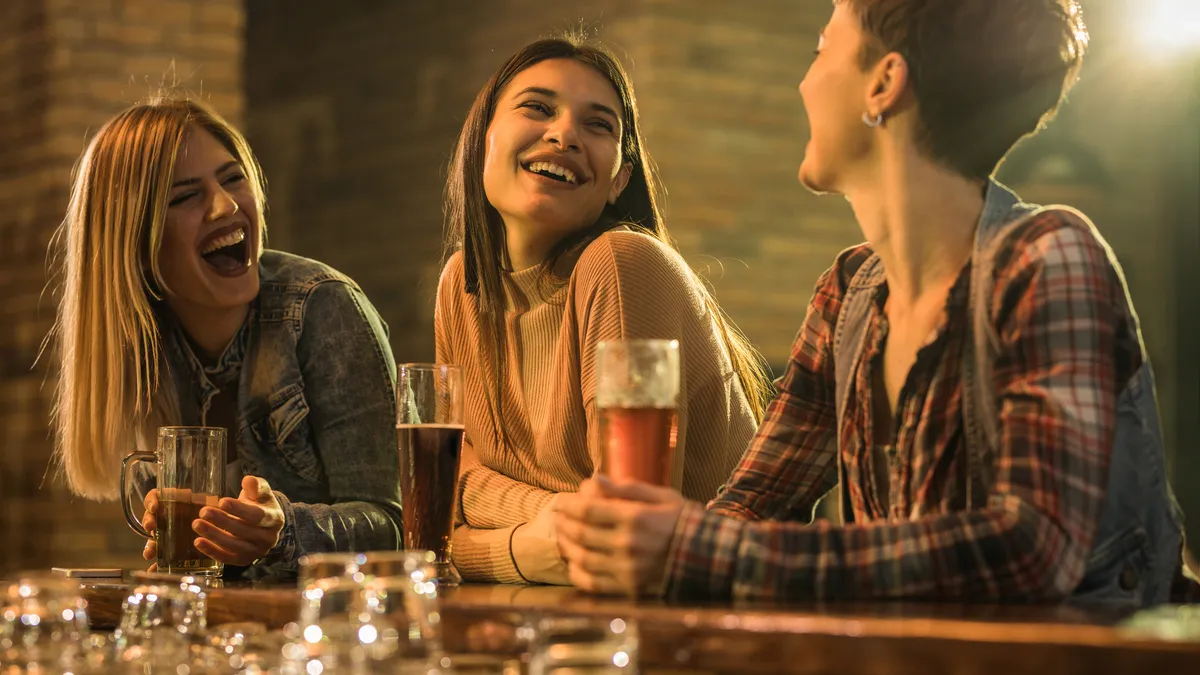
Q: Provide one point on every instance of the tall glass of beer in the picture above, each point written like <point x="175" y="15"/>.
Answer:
<point x="637" y="384"/>
<point x="429" y="425"/>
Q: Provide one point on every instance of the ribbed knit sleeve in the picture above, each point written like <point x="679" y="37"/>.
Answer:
<point x="533" y="431"/>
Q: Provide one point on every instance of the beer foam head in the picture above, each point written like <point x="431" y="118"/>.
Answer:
<point x="174" y="494"/>
<point x="204" y="500"/>
<point x="637" y="373"/>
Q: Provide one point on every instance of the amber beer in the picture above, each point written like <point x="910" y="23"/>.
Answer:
<point x="637" y="383"/>
<point x="429" y="431"/>
<point x="189" y="475"/>
<point x="429" y="455"/>
<point x="638" y="443"/>
<point x="177" y="510"/>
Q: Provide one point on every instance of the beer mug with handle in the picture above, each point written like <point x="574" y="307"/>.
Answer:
<point x="190" y="471"/>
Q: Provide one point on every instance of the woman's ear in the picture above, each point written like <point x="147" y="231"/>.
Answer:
<point x="889" y="79"/>
<point x="619" y="183"/>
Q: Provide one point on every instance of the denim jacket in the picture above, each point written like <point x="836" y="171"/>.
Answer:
<point x="315" y="384"/>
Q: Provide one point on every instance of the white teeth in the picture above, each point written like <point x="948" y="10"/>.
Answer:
<point x="554" y="169"/>
<point x="226" y="240"/>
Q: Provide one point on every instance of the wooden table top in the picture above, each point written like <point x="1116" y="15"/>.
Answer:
<point x="867" y="639"/>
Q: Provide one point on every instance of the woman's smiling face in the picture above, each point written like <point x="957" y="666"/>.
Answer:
<point x="553" y="155"/>
<point x="211" y="238"/>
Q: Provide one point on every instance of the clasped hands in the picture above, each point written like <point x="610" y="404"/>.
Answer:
<point x="236" y="532"/>
<point x="616" y="535"/>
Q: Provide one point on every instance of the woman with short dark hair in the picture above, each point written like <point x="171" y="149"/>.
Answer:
<point x="972" y="377"/>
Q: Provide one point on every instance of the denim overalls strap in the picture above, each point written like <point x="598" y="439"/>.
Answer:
<point x="1136" y="546"/>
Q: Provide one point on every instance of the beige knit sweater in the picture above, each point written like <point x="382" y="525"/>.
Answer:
<point x="623" y="285"/>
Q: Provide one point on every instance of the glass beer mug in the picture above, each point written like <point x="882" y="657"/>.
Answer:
<point x="190" y="468"/>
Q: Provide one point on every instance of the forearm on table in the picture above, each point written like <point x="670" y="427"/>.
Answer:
<point x="492" y="500"/>
<point x="343" y="526"/>
<point x="485" y="555"/>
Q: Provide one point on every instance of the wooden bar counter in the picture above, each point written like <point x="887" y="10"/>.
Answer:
<point x="866" y="639"/>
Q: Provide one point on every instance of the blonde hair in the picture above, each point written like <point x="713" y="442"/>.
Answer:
<point x="109" y="397"/>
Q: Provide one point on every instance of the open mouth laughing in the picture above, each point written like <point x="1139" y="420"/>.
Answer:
<point x="554" y="171"/>
<point x="227" y="250"/>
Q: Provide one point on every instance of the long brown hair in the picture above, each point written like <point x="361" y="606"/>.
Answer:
<point x="474" y="227"/>
<point x="112" y="389"/>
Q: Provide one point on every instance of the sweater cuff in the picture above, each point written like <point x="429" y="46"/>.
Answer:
<point x="485" y="555"/>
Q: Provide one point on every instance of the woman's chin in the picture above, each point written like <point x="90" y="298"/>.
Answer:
<point x="814" y="179"/>
<point x="233" y="291"/>
<point x="560" y="219"/>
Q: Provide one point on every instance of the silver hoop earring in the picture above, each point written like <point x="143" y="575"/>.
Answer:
<point x="867" y="120"/>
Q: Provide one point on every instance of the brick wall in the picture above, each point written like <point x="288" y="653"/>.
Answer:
<point x="718" y="91"/>
<point x="23" y="94"/>
<point x="65" y="67"/>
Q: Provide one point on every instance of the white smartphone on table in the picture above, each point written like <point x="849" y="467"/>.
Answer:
<point x="89" y="572"/>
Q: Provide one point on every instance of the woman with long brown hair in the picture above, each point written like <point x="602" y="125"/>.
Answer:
<point x="556" y="243"/>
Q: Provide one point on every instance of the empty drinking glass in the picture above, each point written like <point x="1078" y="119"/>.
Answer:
<point x="160" y="622"/>
<point x="316" y="566"/>
<point x="43" y="625"/>
<point x="383" y="618"/>
<point x="248" y="648"/>
<point x="583" y="644"/>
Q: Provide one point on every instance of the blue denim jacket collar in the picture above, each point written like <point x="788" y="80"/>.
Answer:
<point x="228" y="364"/>
<point x="1000" y="206"/>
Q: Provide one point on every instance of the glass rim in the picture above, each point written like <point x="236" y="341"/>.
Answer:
<point x="170" y="577"/>
<point x="155" y="582"/>
<point x="421" y="554"/>
<point x="220" y="431"/>
<point x="428" y="366"/>
<point x="328" y="556"/>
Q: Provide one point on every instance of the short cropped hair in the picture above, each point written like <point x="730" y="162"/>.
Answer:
<point x="985" y="73"/>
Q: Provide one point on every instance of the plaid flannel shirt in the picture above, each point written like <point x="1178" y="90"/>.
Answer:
<point x="1067" y="348"/>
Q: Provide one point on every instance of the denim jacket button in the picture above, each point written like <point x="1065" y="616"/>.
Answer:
<point x="1129" y="578"/>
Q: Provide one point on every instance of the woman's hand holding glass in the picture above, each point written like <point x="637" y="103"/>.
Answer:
<point x="239" y="532"/>
<point x="536" y="550"/>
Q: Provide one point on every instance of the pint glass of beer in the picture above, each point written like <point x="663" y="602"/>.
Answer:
<point x="637" y="384"/>
<point x="429" y="425"/>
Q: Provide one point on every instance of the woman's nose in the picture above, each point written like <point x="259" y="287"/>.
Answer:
<point x="222" y="205"/>
<point x="562" y="132"/>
